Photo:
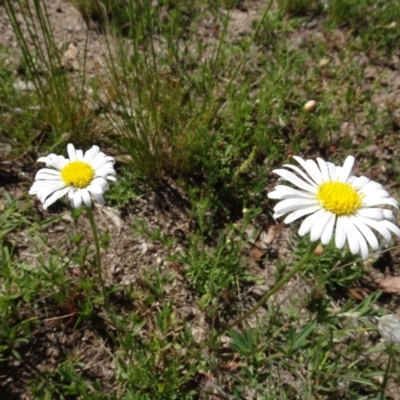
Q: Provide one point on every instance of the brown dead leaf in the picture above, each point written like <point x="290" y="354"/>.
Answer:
<point x="268" y="235"/>
<point x="358" y="293"/>
<point x="263" y="241"/>
<point x="256" y="252"/>
<point x="176" y="266"/>
<point x="231" y="366"/>
<point x="390" y="284"/>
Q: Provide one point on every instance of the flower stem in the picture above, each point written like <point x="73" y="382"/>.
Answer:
<point x="98" y="256"/>
<point x="387" y="371"/>
<point x="277" y="287"/>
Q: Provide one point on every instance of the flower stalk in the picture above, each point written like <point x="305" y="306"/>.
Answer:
<point x="98" y="256"/>
<point x="278" y="286"/>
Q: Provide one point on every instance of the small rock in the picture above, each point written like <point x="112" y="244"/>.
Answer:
<point x="260" y="290"/>
<point x="69" y="59"/>
<point x="372" y="149"/>
<point x="145" y="247"/>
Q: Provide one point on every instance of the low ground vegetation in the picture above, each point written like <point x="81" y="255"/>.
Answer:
<point x="198" y="101"/>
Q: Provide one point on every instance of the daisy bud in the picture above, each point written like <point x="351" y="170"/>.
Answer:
<point x="310" y="106"/>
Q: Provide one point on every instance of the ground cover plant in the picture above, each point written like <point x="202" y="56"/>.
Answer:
<point x="194" y="279"/>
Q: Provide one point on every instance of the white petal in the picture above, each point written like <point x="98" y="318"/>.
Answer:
<point x="318" y="228"/>
<point x="95" y="189"/>
<point x="366" y="231"/>
<point x="79" y="155"/>
<point x="49" y="189"/>
<point x="46" y="159"/>
<point x="286" y="192"/>
<point x="276" y="194"/>
<point x="350" y="180"/>
<point x="300" y="213"/>
<point x="378" y="226"/>
<point x="358" y="182"/>
<point x="101" y="182"/>
<point x="99" y="198"/>
<point x="373" y="213"/>
<point x="352" y="238"/>
<point x="368" y="186"/>
<point x="324" y="169"/>
<point x="101" y="160"/>
<point x="54" y="161"/>
<point x="346" y="169"/>
<point x="314" y="172"/>
<point x="54" y="197"/>
<point x="388" y="214"/>
<point x="36" y="187"/>
<point x="105" y="170"/>
<point x="112" y="178"/>
<point x="392" y="227"/>
<point x="91" y="154"/>
<point x="364" y="252"/>
<point x="311" y="168"/>
<point x="77" y="199"/>
<point x="308" y="223"/>
<point x="377" y="194"/>
<point x="332" y="171"/>
<point x="301" y="173"/>
<point x="289" y="176"/>
<point x="289" y="205"/>
<point x="340" y="236"/>
<point x="328" y="231"/>
<point x="71" y="152"/>
<point x="48" y="173"/>
<point x="370" y="202"/>
<point x="86" y="197"/>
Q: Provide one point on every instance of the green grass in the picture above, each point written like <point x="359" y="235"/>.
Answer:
<point x="197" y="118"/>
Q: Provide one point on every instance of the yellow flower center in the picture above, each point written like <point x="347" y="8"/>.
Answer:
<point x="339" y="198"/>
<point x="78" y="174"/>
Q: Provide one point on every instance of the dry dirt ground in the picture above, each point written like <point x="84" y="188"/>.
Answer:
<point x="129" y="254"/>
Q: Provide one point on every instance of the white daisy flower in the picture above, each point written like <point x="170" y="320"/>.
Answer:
<point x="333" y="199"/>
<point x="80" y="177"/>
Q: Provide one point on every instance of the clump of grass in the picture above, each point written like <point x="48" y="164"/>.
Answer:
<point x="165" y="129"/>
<point x="62" y="104"/>
<point x="162" y="127"/>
